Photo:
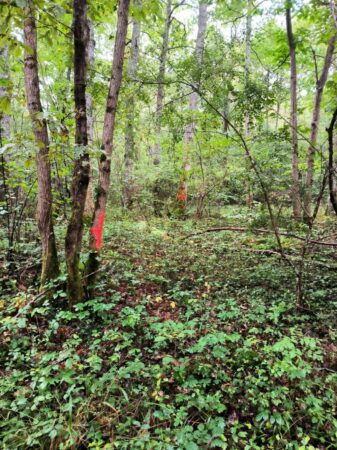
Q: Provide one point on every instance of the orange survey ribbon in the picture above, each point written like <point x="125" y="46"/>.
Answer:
<point x="97" y="232"/>
<point x="182" y="194"/>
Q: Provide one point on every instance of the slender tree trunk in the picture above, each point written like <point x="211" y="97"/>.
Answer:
<point x="156" y="151"/>
<point x="226" y="111"/>
<point x="89" y="202"/>
<point x="314" y="127"/>
<point x="129" y="156"/>
<point x="193" y="103"/>
<point x="228" y="95"/>
<point x="81" y="172"/>
<point x="278" y="107"/>
<point x="331" y="175"/>
<point x="96" y="230"/>
<point x="333" y="8"/>
<point x="90" y="57"/>
<point x="333" y="190"/>
<point x="248" y="53"/>
<point x="5" y="118"/>
<point x="5" y="131"/>
<point x="5" y="126"/>
<point x="50" y="268"/>
<point x="267" y="81"/>
<point x="296" y="193"/>
<point x="199" y="51"/>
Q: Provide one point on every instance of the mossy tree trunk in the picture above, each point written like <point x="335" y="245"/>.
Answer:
<point x="44" y="211"/>
<point x="81" y="172"/>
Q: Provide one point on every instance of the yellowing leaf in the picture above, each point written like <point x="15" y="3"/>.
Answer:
<point x="19" y="302"/>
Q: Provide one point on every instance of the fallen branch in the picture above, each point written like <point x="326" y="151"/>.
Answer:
<point x="263" y="231"/>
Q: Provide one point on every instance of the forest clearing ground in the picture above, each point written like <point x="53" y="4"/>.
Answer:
<point x="188" y="343"/>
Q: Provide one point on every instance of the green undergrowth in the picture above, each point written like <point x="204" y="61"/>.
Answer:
<point x="190" y="342"/>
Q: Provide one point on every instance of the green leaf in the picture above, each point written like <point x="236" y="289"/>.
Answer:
<point x="5" y="105"/>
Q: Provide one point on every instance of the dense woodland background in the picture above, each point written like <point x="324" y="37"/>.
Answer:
<point x="168" y="204"/>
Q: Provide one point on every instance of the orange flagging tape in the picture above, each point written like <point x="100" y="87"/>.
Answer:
<point x="182" y="194"/>
<point x="97" y="232"/>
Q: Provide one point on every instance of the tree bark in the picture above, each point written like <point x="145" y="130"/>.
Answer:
<point x="5" y="118"/>
<point x="5" y="128"/>
<point x="226" y="111"/>
<point x="89" y="202"/>
<point x="332" y="169"/>
<point x="333" y="11"/>
<point x="81" y="172"/>
<point x="296" y="193"/>
<point x="44" y="213"/>
<point x="90" y="58"/>
<point x="314" y="127"/>
<point x="193" y="103"/>
<point x="156" y="151"/>
<point x="129" y="156"/>
<point x="199" y="51"/>
<point x="96" y="230"/>
<point x="248" y="53"/>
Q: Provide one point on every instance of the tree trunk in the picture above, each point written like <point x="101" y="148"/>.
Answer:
<point x="156" y="152"/>
<point x="193" y="103"/>
<point x="332" y="175"/>
<point x="96" y="230"/>
<point x="296" y="193"/>
<point x="248" y="53"/>
<point x="333" y="8"/>
<point x="81" y="172"/>
<point x="5" y="118"/>
<point x="50" y="268"/>
<point x="89" y="201"/>
<point x="314" y="127"/>
<point x="129" y="156"/>
<point x="331" y="165"/>
<point x="226" y="111"/>
<point x="90" y="57"/>
<point x="5" y="126"/>
<point x="199" y="51"/>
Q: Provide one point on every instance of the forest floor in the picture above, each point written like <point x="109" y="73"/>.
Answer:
<point x="190" y="342"/>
